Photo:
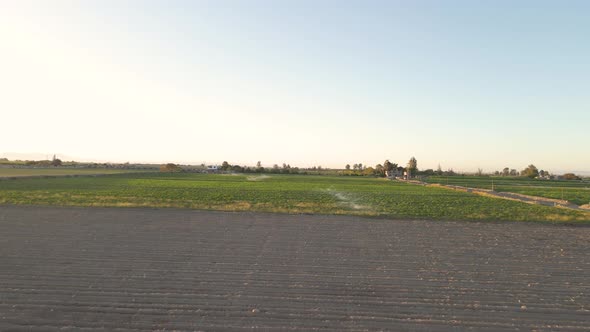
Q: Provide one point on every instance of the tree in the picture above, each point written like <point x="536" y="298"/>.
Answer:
<point x="355" y="167"/>
<point x="412" y="167"/>
<point x="505" y="171"/>
<point x="531" y="171"/>
<point x="347" y="167"/>
<point x="513" y="172"/>
<point x="388" y="167"/>
<point x="55" y="162"/>
<point x="225" y="166"/>
<point x="369" y="171"/>
<point x="379" y="170"/>
<point x="286" y="168"/>
<point x="479" y="172"/>
<point x="428" y="172"/>
<point x="571" y="176"/>
<point x="439" y="170"/>
<point x="171" y="168"/>
<point x="450" y="172"/>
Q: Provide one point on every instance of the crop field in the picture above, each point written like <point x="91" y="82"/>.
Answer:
<point x="577" y="192"/>
<point x="20" y="172"/>
<point x="276" y="193"/>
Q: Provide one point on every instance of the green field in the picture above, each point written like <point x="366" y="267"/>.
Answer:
<point x="57" y="171"/>
<point x="577" y="192"/>
<point x="276" y="193"/>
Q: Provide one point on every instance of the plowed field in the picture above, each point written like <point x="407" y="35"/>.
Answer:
<point x="146" y="269"/>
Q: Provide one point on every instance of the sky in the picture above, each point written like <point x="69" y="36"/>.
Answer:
<point x="463" y="84"/>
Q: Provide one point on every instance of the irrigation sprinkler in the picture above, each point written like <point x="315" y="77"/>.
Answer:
<point x="562" y="193"/>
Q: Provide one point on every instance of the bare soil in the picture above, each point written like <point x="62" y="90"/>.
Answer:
<point x="103" y="269"/>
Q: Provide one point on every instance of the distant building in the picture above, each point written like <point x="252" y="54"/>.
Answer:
<point x="393" y="174"/>
<point x="212" y="168"/>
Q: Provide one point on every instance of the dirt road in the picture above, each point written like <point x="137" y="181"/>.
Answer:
<point x="147" y="269"/>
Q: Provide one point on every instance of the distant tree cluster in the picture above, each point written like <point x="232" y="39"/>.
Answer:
<point x="507" y="172"/>
<point x="571" y="176"/>
<point x="531" y="171"/>
<point x="55" y="162"/>
<point x="382" y="170"/>
<point x="38" y="163"/>
<point x="170" y="168"/>
<point x="359" y="169"/>
<point x="275" y="169"/>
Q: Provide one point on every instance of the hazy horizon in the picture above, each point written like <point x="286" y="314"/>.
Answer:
<point x="462" y="84"/>
<point x="64" y="157"/>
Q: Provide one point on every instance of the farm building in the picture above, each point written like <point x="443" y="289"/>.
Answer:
<point x="393" y="174"/>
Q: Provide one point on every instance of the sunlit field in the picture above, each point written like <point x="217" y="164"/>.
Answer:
<point x="276" y="193"/>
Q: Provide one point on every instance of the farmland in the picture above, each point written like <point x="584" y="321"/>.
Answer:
<point x="361" y="196"/>
<point x="106" y="269"/>
<point x="53" y="171"/>
<point x="577" y="192"/>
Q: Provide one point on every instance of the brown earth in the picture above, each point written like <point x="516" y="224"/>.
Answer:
<point x="101" y="269"/>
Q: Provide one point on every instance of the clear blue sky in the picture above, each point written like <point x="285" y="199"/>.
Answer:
<point x="466" y="84"/>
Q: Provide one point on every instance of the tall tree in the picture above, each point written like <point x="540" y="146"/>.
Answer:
<point x="388" y="167"/>
<point x="412" y="166"/>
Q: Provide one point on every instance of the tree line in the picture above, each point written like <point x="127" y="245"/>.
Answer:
<point x="387" y="168"/>
<point x="531" y="171"/>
